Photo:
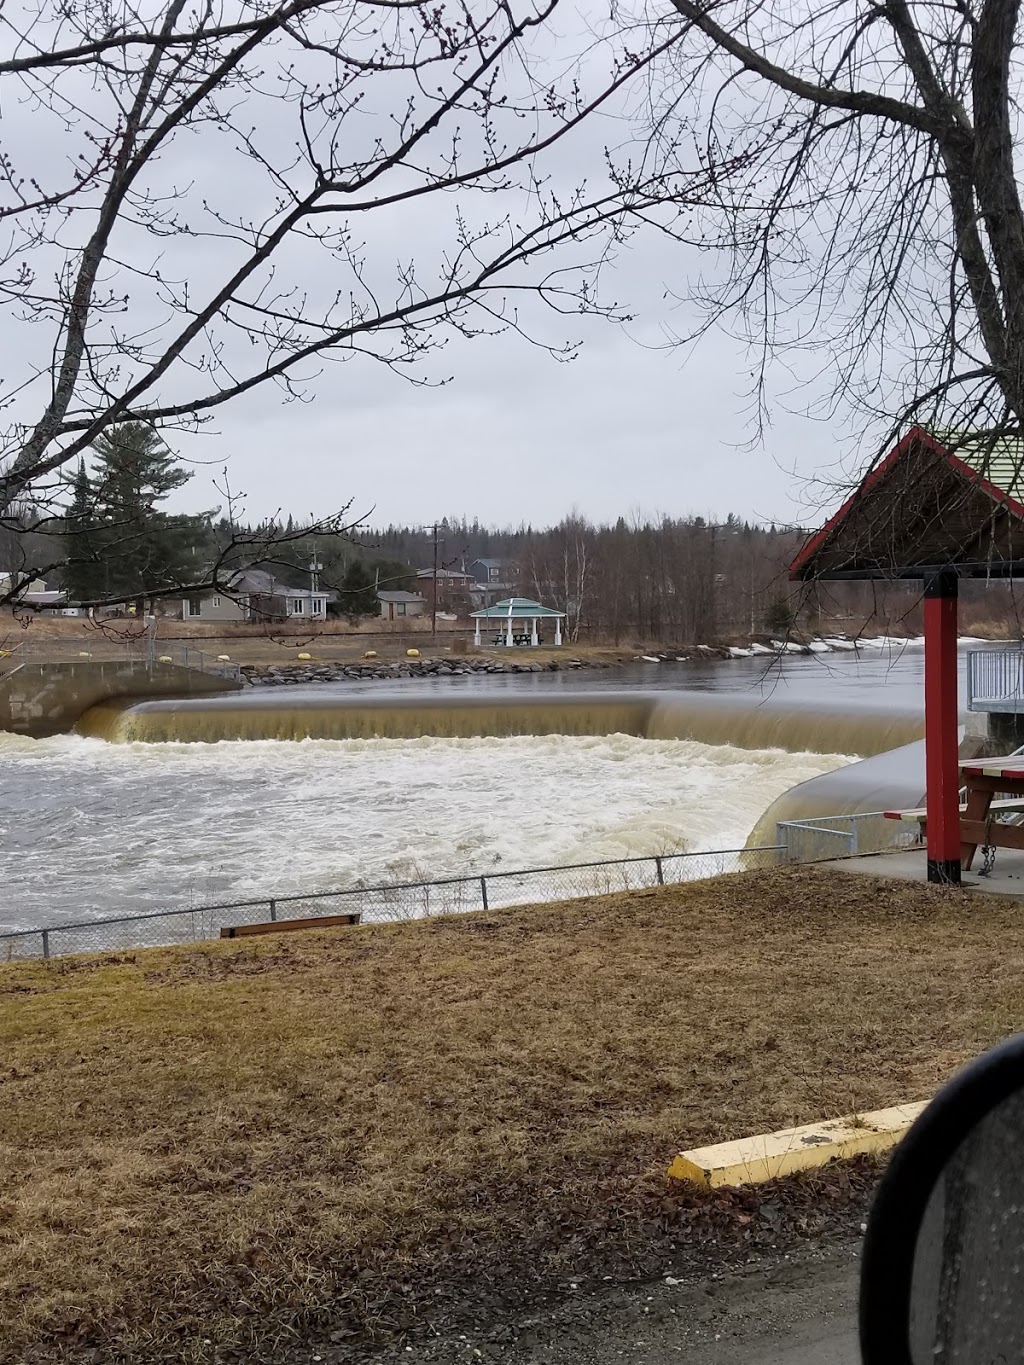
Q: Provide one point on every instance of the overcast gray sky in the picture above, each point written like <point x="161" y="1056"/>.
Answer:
<point x="627" y="426"/>
<point x="630" y="426"/>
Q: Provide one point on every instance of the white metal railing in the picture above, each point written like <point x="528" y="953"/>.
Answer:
<point x="995" y="679"/>
<point x="843" y="836"/>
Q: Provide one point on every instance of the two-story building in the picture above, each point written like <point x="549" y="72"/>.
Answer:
<point x="492" y="579"/>
<point x="454" y="588"/>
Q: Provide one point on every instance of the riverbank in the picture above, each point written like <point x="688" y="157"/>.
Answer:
<point x="501" y="662"/>
<point x="238" y="1150"/>
<point x="335" y="645"/>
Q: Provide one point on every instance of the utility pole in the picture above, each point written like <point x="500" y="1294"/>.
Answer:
<point x="433" y="606"/>
<point x="314" y="578"/>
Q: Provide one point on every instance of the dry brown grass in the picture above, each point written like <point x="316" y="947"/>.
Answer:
<point x="234" y="1141"/>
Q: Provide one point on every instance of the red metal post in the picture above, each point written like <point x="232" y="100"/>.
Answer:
<point x="941" y="739"/>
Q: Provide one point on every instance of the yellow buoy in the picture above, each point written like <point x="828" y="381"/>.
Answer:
<point x="223" y="658"/>
<point x="304" y="655"/>
<point x="166" y="659"/>
<point x="370" y="654"/>
<point x="412" y="653"/>
<point x="84" y="654"/>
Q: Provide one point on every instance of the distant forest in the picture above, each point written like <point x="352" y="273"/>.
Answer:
<point x="671" y="579"/>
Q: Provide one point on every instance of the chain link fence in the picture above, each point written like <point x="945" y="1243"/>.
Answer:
<point x="376" y="904"/>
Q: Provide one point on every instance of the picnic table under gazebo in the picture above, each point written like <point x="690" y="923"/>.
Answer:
<point x="515" y="621"/>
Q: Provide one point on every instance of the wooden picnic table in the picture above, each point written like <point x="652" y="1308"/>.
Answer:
<point x="518" y="638"/>
<point x="984" y="779"/>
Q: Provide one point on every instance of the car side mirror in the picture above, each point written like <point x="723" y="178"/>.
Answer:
<point x="942" y="1281"/>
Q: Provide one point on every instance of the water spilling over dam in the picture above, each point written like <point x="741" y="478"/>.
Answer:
<point x="165" y="802"/>
<point x="743" y="721"/>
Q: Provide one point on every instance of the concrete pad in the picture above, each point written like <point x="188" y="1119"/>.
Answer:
<point x="1005" y="879"/>
<point x="767" y="1156"/>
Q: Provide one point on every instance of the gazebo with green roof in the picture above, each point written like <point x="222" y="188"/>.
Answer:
<point x="515" y="612"/>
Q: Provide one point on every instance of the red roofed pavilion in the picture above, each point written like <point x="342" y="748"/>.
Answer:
<point x="939" y="507"/>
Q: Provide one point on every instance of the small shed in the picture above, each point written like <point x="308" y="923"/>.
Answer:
<point x="938" y="508"/>
<point x="400" y="603"/>
<point x="516" y="621"/>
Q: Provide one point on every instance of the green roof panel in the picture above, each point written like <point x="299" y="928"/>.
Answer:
<point x="516" y="609"/>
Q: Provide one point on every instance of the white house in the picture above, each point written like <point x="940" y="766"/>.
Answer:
<point x="256" y="595"/>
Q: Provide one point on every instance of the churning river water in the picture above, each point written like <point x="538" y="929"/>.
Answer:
<point x="91" y="828"/>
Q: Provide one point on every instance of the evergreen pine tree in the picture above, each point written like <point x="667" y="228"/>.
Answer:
<point x="358" y="595"/>
<point x="146" y="548"/>
<point x="84" y="573"/>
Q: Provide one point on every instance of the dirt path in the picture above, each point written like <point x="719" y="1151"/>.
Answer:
<point x="795" y="1310"/>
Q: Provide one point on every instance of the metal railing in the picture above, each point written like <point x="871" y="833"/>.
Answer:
<point x="403" y="901"/>
<point x="189" y="656"/>
<point x="995" y="679"/>
<point x="843" y="836"/>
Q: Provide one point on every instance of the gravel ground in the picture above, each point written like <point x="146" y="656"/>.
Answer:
<point x="795" y="1308"/>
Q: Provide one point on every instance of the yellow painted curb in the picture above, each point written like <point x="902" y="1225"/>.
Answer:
<point x="769" y="1155"/>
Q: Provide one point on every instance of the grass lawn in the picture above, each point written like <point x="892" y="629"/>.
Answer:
<point x="226" y="1142"/>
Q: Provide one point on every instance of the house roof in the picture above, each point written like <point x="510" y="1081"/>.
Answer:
<point x="282" y="590"/>
<point x="443" y="573"/>
<point x="262" y="582"/>
<point x="50" y="598"/>
<point x="516" y="609"/>
<point x="937" y="501"/>
<point x="492" y="563"/>
<point x="399" y="595"/>
<point x="253" y="580"/>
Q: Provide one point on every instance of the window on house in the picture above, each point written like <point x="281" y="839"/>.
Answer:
<point x="318" y="606"/>
<point x="194" y="606"/>
<point x="216" y="601"/>
<point x="295" y="606"/>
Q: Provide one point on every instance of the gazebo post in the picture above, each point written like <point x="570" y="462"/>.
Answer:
<point x="533" y="632"/>
<point x="508" y="632"/>
<point x="476" y="633"/>
<point x="941" y="738"/>
<point x="558" y="631"/>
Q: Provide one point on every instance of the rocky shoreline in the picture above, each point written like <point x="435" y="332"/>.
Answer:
<point x="282" y="675"/>
<point x="317" y="671"/>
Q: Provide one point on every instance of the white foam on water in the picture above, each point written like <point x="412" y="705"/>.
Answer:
<point x="89" y="828"/>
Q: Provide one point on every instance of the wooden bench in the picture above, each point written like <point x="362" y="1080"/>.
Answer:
<point x="280" y="926"/>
